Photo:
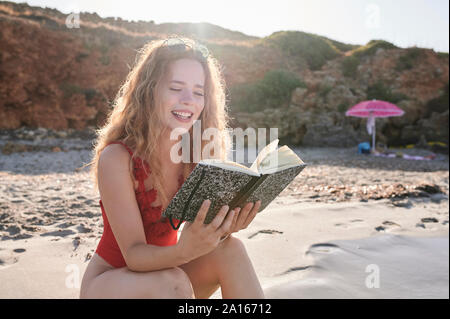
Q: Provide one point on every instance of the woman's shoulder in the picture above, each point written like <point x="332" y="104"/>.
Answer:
<point x="114" y="156"/>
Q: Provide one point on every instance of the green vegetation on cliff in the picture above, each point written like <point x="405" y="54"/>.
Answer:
<point x="409" y="59"/>
<point x="350" y="66"/>
<point x="371" y="48"/>
<point x="380" y="91"/>
<point x="439" y="104"/>
<point x="273" y="91"/>
<point x="298" y="46"/>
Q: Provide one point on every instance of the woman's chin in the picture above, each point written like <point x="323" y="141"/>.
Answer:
<point x="180" y="129"/>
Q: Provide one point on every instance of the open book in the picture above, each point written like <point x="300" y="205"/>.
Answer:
<point x="233" y="184"/>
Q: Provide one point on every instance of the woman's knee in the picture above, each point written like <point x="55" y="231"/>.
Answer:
<point x="232" y="246"/>
<point x="179" y="286"/>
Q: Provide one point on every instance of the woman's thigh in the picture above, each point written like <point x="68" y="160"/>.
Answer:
<point x="123" y="283"/>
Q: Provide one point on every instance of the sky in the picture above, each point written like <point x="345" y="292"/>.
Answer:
<point x="406" y="23"/>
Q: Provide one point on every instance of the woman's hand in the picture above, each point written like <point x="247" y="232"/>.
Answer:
<point x="198" y="239"/>
<point x="243" y="217"/>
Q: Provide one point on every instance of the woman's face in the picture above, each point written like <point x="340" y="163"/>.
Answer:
<point x="183" y="94"/>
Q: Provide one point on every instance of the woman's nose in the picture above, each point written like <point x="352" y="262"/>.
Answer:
<point x="187" y="97"/>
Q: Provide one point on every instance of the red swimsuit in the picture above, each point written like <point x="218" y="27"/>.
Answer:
<point x="157" y="232"/>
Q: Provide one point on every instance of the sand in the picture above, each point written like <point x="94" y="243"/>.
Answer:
<point x="386" y="266"/>
<point x="322" y="250"/>
<point x="309" y="243"/>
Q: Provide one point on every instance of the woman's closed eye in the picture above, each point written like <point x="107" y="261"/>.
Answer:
<point x="196" y="93"/>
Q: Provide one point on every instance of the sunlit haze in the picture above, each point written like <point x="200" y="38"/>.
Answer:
<point x="423" y="23"/>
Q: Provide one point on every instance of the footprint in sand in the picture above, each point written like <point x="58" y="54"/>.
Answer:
<point x="387" y="226"/>
<point x="9" y="258"/>
<point x="353" y="224"/>
<point x="32" y="229"/>
<point x="87" y="214"/>
<point x="389" y="223"/>
<point x="89" y="202"/>
<point x="265" y="231"/>
<point x="296" y="269"/>
<point x="13" y="230"/>
<point x="35" y="221"/>
<point x="59" y="233"/>
<point x="322" y="248"/>
<point x="6" y="262"/>
<point x="429" y="220"/>
<point x="16" y="237"/>
<point x="82" y="229"/>
<point x="65" y="225"/>
<point x="76" y="242"/>
<point x="4" y="216"/>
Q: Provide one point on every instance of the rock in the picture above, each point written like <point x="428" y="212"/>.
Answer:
<point x="327" y="81"/>
<point x="298" y="95"/>
<point x="434" y="128"/>
<point x="406" y="203"/>
<point x="13" y="230"/>
<point x="11" y="147"/>
<point x="422" y="142"/>
<point x="437" y="198"/>
<point x="42" y="131"/>
<point x="430" y="189"/>
<point x="414" y="111"/>
<point x="61" y="134"/>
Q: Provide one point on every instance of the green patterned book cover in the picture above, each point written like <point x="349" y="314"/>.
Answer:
<point x="232" y="184"/>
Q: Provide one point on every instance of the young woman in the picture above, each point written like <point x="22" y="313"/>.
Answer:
<point x="173" y="83"/>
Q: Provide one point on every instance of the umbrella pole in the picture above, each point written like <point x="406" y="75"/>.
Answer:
<point x="373" y="136"/>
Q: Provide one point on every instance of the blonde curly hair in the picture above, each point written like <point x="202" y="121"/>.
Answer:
<point x="136" y="115"/>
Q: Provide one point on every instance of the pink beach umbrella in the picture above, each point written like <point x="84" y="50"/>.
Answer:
<point x="373" y="109"/>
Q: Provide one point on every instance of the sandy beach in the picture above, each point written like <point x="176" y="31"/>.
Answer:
<point x="349" y="226"/>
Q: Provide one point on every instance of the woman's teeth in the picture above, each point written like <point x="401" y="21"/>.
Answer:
<point x="182" y="115"/>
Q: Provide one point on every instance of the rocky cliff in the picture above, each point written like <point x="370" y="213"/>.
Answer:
<point x="57" y="77"/>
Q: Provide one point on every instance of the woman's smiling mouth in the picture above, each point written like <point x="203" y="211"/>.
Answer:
<point x="183" y="116"/>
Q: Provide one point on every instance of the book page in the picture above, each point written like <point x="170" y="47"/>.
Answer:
<point x="272" y="146"/>
<point x="279" y="160"/>
<point x="231" y="166"/>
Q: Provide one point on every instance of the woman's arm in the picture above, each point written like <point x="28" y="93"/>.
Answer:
<point x="119" y="200"/>
<point x="144" y="257"/>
